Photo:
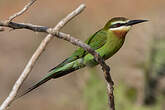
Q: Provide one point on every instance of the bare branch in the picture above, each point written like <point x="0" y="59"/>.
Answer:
<point x="36" y="55"/>
<point x="14" y="25"/>
<point x="67" y="37"/>
<point x="26" y="7"/>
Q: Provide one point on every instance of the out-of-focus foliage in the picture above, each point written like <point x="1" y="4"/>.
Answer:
<point x="125" y="97"/>
<point x="154" y="71"/>
<point x="159" y="58"/>
<point x="95" y="93"/>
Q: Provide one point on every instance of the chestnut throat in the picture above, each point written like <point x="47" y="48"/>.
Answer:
<point x="120" y="33"/>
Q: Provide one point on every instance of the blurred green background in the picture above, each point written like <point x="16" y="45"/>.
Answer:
<point x="137" y="69"/>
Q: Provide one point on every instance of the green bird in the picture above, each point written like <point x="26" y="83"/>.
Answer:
<point x="107" y="41"/>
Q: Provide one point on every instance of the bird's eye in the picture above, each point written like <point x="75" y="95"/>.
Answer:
<point x="116" y="25"/>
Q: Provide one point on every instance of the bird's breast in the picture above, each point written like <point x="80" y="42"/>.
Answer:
<point x="113" y="44"/>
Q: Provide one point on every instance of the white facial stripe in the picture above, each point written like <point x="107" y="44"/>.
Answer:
<point x="120" y="28"/>
<point x="120" y="22"/>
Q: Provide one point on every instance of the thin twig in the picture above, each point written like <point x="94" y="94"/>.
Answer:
<point x="26" y="7"/>
<point x="14" y="25"/>
<point x="36" y="55"/>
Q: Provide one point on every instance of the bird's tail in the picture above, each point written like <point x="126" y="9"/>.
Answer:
<point x="42" y="81"/>
<point x="55" y="73"/>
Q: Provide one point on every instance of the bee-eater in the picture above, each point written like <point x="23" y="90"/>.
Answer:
<point x="107" y="41"/>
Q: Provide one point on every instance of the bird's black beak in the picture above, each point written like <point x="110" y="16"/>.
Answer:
<point x="133" y="22"/>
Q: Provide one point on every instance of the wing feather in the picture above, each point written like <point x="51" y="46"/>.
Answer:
<point x="96" y="41"/>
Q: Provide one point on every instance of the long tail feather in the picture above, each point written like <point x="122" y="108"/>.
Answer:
<point x="44" y="80"/>
<point x="54" y="73"/>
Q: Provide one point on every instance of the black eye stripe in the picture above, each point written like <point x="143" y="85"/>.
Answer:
<point x="117" y="25"/>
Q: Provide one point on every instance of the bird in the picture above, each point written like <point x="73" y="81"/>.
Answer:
<point x="107" y="41"/>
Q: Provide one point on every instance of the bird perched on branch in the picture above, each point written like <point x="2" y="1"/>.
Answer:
<point x="107" y="41"/>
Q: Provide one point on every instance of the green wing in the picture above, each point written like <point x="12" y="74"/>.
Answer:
<point x="95" y="41"/>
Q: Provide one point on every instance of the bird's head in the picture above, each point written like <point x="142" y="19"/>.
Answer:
<point x="120" y="25"/>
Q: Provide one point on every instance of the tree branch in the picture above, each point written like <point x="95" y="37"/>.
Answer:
<point x="55" y="32"/>
<point x="26" y="7"/>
